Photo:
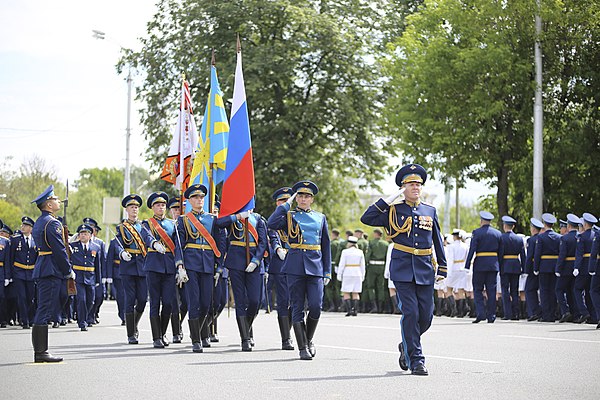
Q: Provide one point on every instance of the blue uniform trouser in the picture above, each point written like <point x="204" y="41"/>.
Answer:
<point x="199" y="293"/>
<point x="595" y="294"/>
<point x="162" y="290"/>
<point x="136" y="293"/>
<point x="305" y="288"/>
<point x="247" y="289"/>
<point x="48" y="290"/>
<point x="532" y="298"/>
<point x="548" y="295"/>
<point x="582" y="295"/>
<point x="25" y="293"/>
<point x="85" y="303"/>
<point x="510" y="294"/>
<point x="61" y="302"/>
<point x="416" y="303"/>
<point x="283" y="294"/>
<point x="98" y="300"/>
<point x="565" y="290"/>
<point x="220" y="296"/>
<point x="119" y="293"/>
<point x="488" y="280"/>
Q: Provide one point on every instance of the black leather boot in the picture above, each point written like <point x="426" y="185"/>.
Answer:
<point x="250" y="331"/>
<point x="311" y="327"/>
<point x="205" y="331"/>
<point x="354" y="308"/>
<point x="130" y="325"/>
<point x="156" y="333"/>
<point x="460" y="305"/>
<point x="373" y="307"/>
<point x="348" y="305"/>
<point x="195" y="335"/>
<point x="452" y="306"/>
<point x="164" y="325"/>
<point x="136" y="317"/>
<point x="438" y="306"/>
<point x="300" y="331"/>
<point x="242" y="323"/>
<point x="214" y="336"/>
<point x="39" y="339"/>
<point x="284" y="330"/>
<point x="176" y="326"/>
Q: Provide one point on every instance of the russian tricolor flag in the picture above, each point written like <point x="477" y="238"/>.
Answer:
<point x="238" y="187"/>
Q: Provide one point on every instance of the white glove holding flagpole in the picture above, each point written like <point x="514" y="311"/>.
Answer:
<point x="251" y="267"/>
<point x="394" y="196"/>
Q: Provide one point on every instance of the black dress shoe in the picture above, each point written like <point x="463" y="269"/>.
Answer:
<point x="598" y="327"/>
<point x="420" y="369"/>
<point x="3" y="325"/>
<point x="581" y="319"/>
<point x="477" y="320"/>
<point x="491" y="320"/>
<point x="84" y="328"/>
<point x="45" y="357"/>
<point x="132" y="340"/>
<point x="567" y="317"/>
<point x="214" y="339"/>
<point x="25" y="326"/>
<point x="205" y="342"/>
<point x="63" y="323"/>
<point x="514" y="319"/>
<point x="55" y="325"/>
<point x="402" y="358"/>
<point x="533" y="318"/>
<point x="505" y="319"/>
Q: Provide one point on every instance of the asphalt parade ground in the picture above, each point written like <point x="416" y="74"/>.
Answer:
<point x="357" y="357"/>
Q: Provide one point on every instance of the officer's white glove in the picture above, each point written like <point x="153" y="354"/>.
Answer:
<point x="103" y="281"/>
<point x="291" y="199"/>
<point x="97" y="284"/>
<point x="243" y="215"/>
<point x="158" y="246"/>
<point x="217" y="277"/>
<point x="251" y="267"/>
<point x="592" y="273"/>
<point x="109" y="280"/>
<point x="266" y="276"/>
<point x="536" y="273"/>
<point x="326" y="281"/>
<point x="181" y="277"/>
<point x="390" y="199"/>
<point x="125" y="256"/>
<point x="575" y="272"/>
<point x="281" y="252"/>
<point x="557" y="274"/>
<point x="6" y="282"/>
<point x="71" y="275"/>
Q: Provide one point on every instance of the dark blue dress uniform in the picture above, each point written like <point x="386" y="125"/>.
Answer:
<point x="512" y="265"/>
<point x="51" y="266"/>
<point x="544" y="263"/>
<point x="113" y="276"/>
<point x="23" y="254"/>
<point x="594" y="268"/>
<point x="583" y="279"/>
<point x="133" y="275"/>
<point x="202" y="257"/>
<point x="532" y="283"/>
<point x="565" y="282"/>
<point x="85" y="258"/>
<point x="160" y="269"/>
<point x="307" y="263"/>
<point x="415" y="231"/>
<point x="101" y="273"/>
<point x="486" y="246"/>
<point x="247" y="286"/>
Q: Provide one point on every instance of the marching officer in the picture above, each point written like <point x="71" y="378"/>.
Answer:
<point x="85" y="257"/>
<point x="279" y="247"/>
<point x="511" y="266"/>
<point x="486" y="246"/>
<point x="159" y="237"/>
<point x="582" y="276"/>
<point x="179" y="301"/>
<point x="132" y="252"/>
<point x="593" y="271"/>
<point x="114" y="277"/>
<point x="544" y="264"/>
<point x="51" y="266"/>
<point x="414" y="228"/>
<point x="565" y="281"/>
<point x="101" y="273"/>
<point x="220" y="295"/>
<point x="307" y="263"/>
<point x="23" y="254"/>
<point x="199" y="251"/>
<point x="532" y="283"/>
<point x="375" y="282"/>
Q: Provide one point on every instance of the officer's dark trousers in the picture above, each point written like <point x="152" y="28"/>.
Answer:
<point x="548" y="295"/>
<point x="510" y="294"/>
<point x="220" y="296"/>
<point x="25" y="293"/>
<point x="565" y="290"/>
<point x="119" y="293"/>
<point x="582" y="294"/>
<point x="246" y="291"/>
<point x="98" y="300"/>
<point x="199" y="293"/>
<point x="595" y="294"/>
<point x="63" y="299"/>
<point x="47" y="293"/>
<point x="283" y="294"/>
<point x="488" y="280"/>
<point x="305" y="288"/>
<point x="532" y="298"/>
<point x="136" y="293"/>
<point x="162" y="291"/>
<point x="85" y="303"/>
<point x="416" y="303"/>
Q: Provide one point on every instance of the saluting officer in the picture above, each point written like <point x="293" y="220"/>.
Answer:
<point x="544" y="263"/>
<point x="23" y="254"/>
<point x="85" y="257"/>
<point x="279" y="247"/>
<point x="132" y="271"/>
<point x="158" y="234"/>
<point x="199" y="251"/>
<point x="308" y="261"/>
<point x="532" y="282"/>
<point x="114" y="277"/>
<point x="511" y="267"/>
<point x="415" y="230"/>
<point x="565" y="281"/>
<point x="51" y="266"/>
<point x="582" y="280"/>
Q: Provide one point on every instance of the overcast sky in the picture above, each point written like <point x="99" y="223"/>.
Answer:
<point x="60" y="95"/>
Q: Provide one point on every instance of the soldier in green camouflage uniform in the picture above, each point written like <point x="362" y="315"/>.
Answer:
<point x="375" y="281"/>
<point x="332" y="291"/>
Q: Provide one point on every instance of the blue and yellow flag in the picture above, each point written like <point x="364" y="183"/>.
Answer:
<point x="212" y="146"/>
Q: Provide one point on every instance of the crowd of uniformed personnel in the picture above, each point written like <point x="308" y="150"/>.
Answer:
<point x="191" y="263"/>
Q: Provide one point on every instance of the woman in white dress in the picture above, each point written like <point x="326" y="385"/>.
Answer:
<point x="351" y="272"/>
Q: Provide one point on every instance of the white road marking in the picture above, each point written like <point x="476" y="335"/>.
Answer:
<point x="548" y="338"/>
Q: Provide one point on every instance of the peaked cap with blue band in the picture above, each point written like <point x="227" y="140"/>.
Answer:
<point x="131" y="200"/>
<point x="157" y="197"/>
<point x="411" y="173"/>
<point x="283" y="193"/>
<point x="307" y="187"/>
